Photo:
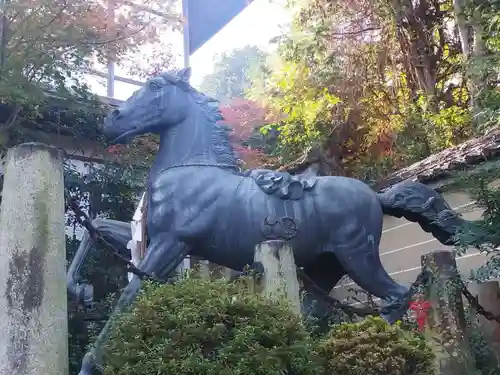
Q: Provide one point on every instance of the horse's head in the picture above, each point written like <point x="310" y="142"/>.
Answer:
<point x="162" y="102"/>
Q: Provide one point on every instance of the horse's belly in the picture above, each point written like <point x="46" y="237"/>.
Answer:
<point x="263" y="218"/>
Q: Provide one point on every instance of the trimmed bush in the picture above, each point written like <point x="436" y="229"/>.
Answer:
<point x="207" y="328"/>
<point x="373" y="347"/>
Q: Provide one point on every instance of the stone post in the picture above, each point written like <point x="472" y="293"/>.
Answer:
<point x="488" y="296"/>
<point x="446" y="316"/>
<point x="280" y="272"/>
<point x="228" y="273"/>
<point x="33" y="297"/>
<point x="205" y="269"/>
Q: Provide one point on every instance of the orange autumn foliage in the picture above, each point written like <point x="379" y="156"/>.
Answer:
<point x="244" y="117"/>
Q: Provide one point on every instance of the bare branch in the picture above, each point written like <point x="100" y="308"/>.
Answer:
<point x="356" y="32"/>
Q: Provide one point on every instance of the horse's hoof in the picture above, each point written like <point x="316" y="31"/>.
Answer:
<point x="392" y="314"/>
<point x="388" y="318"/>
<point x="85" y="372"/>
<point x="85" y="294"/>
<point x="87" y="365"/>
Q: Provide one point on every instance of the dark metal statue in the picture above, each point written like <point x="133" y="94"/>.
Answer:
<point x="200" y="203"/>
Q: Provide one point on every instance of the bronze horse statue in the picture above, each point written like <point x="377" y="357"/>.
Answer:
<point x="200" y="203"/>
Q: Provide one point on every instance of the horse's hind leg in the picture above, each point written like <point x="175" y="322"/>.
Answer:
<point x="356" y="245"/>
<point x="325" y="272"/>
<point x="364" y="267"/>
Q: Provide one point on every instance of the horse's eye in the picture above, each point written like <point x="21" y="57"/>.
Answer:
<point x="154" y="86"/>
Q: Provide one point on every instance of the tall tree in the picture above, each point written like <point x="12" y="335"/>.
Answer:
<point x="480" y="22"/>
<point x="378" y="83"/>
<point x="233" y="73"/>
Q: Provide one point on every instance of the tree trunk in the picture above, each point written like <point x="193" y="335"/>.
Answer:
<point x="463" y="27"/>
<point x="479" y="78"/>
<point x="317" y="162"/>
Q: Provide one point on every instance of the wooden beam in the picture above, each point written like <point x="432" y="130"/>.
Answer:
<point x="147" y="9"/>
<point x="111" y="101"/>
<point x="130" y="81"/>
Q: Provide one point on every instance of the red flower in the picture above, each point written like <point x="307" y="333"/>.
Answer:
<point x="421" y="309"/>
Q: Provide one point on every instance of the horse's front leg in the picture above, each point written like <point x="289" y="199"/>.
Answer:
<point x="163" y="255"/>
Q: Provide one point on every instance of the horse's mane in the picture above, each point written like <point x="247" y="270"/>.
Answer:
<point x="221" y="146"/>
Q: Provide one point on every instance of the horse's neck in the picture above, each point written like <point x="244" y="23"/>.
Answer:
<point x="187" y="143"/>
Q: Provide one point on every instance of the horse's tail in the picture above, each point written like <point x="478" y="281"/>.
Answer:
<point x="419" y="203"/>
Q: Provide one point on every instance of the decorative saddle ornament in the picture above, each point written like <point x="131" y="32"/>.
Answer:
<point x="282" y="184"/>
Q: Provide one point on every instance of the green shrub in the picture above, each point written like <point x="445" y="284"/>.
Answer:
<point x="212" y="328"/>
<point x="373" y="347"/>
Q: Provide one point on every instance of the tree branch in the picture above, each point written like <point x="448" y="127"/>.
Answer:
<point x="356" y="32"/>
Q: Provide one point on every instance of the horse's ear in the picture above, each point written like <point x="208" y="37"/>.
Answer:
<point x="185" y="74"/>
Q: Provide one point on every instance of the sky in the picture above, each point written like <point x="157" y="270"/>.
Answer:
<point x="255" y="25"/>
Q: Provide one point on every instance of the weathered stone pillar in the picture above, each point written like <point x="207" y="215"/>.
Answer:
<point x="33" y="302"/>
<point x="446" y="317"/>
<point x="488" y="295"/>
<point x="204" y="269"/>
<point x="228" y="273"/>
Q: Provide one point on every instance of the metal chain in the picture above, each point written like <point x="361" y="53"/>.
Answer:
<point x="350" y="310"/>
<point x="471" y="299"/>
<point x="333" y="302"/>
<point x="474" y="302"/>
<point x="83" y="219"/>
<point x="422" y="279"/>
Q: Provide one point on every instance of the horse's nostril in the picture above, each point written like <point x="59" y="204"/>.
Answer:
<point x="115" y="113"/>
